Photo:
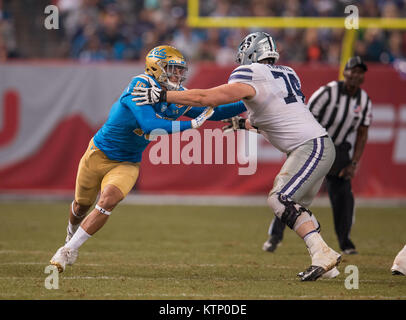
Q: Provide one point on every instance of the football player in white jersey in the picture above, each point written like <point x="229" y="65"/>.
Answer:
<point x="272" y="97"/>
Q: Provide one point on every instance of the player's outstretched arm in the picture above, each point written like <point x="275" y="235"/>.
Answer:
<point x="224" y="111"/>
<point x="226" y="93"/>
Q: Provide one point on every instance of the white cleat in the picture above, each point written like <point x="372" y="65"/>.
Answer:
<point x="333" y="273"/>
<point x="64" y="256"/>
<point x="399" y="264"/>
<point x="397" y="270"/>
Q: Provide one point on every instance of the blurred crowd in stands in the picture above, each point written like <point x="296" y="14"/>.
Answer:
<point x="100" y="30"/>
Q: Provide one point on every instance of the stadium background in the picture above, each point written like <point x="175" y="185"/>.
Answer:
<point x="57" y="86"/>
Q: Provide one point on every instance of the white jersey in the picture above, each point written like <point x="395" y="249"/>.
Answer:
<point x="278" y="109"/>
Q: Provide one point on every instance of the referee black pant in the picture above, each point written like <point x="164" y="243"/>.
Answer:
<point x="342" y="203"/>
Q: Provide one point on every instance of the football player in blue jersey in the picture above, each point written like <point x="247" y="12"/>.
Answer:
<point x="111" y="162"/>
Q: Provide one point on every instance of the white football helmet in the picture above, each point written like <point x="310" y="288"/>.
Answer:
<point x="255" y="47"/>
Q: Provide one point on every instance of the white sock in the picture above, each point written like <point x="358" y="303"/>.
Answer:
<point x="78" y="239"/>
<point x="73" y="227"/>
<point x="314" y="242"/>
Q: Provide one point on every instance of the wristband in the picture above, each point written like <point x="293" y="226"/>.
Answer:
<point x="162" y="96"/>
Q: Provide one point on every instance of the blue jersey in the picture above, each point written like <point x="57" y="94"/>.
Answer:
<point x="124" y="136"/>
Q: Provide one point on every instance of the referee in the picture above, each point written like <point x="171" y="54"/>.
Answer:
<point x="344" y="109"/>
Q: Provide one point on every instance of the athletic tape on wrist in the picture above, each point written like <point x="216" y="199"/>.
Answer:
<point x="102" y="210"/>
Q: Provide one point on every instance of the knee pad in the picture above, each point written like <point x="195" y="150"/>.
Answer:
<point x="291" y="213"/>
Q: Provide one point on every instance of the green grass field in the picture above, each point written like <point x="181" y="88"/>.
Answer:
<point x="184" y="252"/>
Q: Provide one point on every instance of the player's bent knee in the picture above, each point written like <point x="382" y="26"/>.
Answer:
<point x="290" y="213"/>
<point x="83" y="201"/>
<point x="275" y="205"/>
<point x="107" y="203"/>
<point x="79" y="210"/>
<point x="110" y="197"/>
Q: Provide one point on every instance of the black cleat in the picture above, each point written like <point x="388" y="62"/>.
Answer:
<point x="397" y="273"/>
<point x="312" y="273"/>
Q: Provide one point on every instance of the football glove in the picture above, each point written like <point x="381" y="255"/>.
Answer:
<point x="151" y="95"/>
<point x="201" y="118"/>
<point x="234" y="123"/>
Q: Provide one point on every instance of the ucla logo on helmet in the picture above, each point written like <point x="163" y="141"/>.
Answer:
<point x="158" y="53"/>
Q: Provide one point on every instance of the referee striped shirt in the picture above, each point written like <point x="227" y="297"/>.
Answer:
<point x="340" y="113"/>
